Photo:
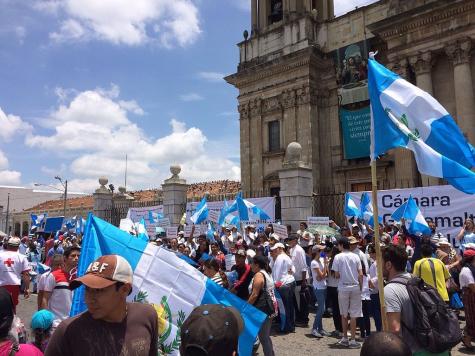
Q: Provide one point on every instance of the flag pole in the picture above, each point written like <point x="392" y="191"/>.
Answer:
<point x="379" y="259"/>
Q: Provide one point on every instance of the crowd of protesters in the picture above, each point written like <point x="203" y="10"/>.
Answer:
<point x="285" y="277"/>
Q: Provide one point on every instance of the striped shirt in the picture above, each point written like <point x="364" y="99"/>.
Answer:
<point x="217" y="279"/>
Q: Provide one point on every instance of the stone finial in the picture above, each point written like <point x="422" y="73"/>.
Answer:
<point x="175" y="170"/>
<point x="293" y="155"/>
<point x="102" y="189"/>
<point x="122" y="190"/>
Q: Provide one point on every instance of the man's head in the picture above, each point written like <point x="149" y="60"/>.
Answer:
<point x="71" y="257"/>
<point x="394" y="261"/>
<point x="108" y="282"/>
<point x="385" y="343"/>
<point x="211" y="329"/>
<point x="343" y="243"/>
<point x="13" y="243"/>
<point x="426" y="250"/>
<point x="174" y="244"/>
<point x="277" y="249"/>
<point x="345" y="232"/>
<point x="303" y="225"/>
<point x="353" y="242"/>
<point x="241" y="257"/>
<point x="292" y="240"/>
<point x="6" y="313"/>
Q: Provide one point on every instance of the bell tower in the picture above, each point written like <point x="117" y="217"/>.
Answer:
<point x="265" y="13"/>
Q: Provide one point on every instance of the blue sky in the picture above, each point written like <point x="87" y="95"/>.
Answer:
<point x="85" y="82"/>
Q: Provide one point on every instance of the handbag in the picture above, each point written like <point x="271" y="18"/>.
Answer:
<point x="264" y="301"/>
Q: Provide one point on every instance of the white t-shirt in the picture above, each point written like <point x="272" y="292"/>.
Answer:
<point x="12" y="264"/>
<point x="282" y="269"/>
<point x="365" y="294"/>
<point x="60" y="301"/>
<point x="299" y="261"/>
<point x="347" y="264"/>
<point x="373" y="275"/>
<point x="466" y="277"/>
<point x="318" y="265"/>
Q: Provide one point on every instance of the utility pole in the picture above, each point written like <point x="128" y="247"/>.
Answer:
<point x="7" y="225"/>
<point x="65" y="197"/>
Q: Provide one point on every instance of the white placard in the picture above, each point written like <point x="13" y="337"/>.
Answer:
<point x="318" y="220"/>
<point x="172" y="232"/>
<point x="165" y="222"/>
<point x="444" y="205"/>
<point x="213" y="216"/>
<point x="188" y="229"/>
<point x="229" y="260"/>
<point x="280" y="230"/>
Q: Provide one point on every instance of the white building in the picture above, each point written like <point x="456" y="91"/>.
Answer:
<point x="23" y="198"/>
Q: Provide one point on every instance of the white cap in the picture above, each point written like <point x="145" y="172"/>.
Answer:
<point x="275" y="236"/>
<point x="277" y="245"/>
<point x="14" y="241"/>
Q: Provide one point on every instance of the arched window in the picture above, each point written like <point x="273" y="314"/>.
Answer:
<point x="25" y="228"/>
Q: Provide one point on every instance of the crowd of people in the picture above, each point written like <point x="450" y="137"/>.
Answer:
<point x="284" y="277"/>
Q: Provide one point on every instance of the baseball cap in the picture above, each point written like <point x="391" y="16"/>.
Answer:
<point x="14" y="241"/>
<point x="277" y="245"/>
<point x="104" y="272"/>
<point x="211" y="329"/>
<point x="42" y="319"/>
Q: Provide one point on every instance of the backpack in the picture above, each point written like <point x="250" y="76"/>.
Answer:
<point x="436" y="328"/>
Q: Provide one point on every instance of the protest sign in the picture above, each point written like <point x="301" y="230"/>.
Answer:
<point x="165" y="222"/>
<point x="318" y="220"/>
<point x="213" y="216"/>
<point x="280" y="230"/>
<point x="229" y="261"/>
<point x="172" y="232"/>
<point x="446" y="206"/>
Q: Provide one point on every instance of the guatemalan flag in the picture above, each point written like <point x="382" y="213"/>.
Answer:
<point x="366" y="210"/>
<point x="410" y="211"/>
<point x="201" y="212"/>
<point x="153" y="216"/>
<point x="402" y="115"/>
<point x="351" y="209"/>
<point x="227" y="218"/>
<point x="164" y="280"/>
<point x="247" y="211"/>
<point x="37" y="220"/>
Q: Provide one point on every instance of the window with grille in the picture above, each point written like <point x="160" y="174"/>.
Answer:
<point x="274" y="136"/>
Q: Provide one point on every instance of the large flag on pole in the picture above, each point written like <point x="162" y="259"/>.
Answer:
<point x="410" y="211"/>
<point x="163" y="279"/>
<point x="201" y="212"/>
<point x="246" y="210"/>
<point x="402" y="115"/>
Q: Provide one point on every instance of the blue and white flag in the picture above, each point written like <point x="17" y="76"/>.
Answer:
<point x="226" y="218"/>
<point x="247" y="211"/>
<point x="411" y="212"/>
<point x="201" y="212"/>
<point x="141" y="230"/>
<point x="402" y="115"/>
<point x="210" y="233"/>
<point x="37" y="220"/>
<point x="351" y="209"/>
<point x="80" y="223"/>
<point x="281" y="307"/>
<point x="153" y="216"/>
<point x="161" y="278"/>
<point x="366" y="207"/>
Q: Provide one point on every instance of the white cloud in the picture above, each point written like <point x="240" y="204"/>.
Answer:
<point x="20" y="32"/>
<point x="169" y="22"/>
<point x="8" y="177"/>
<point x="211" y="76"/>
<point x="191" y="97"/>
<point x="344" y="6"/>
<point x="11" y="125"/>
<point x="94" y="127"/>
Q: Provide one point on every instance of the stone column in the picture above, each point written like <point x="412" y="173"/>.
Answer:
<point x="103" y="201"/>
<point x="404" y="162"/>
<point x="174" y="196"/>
<point x="254" y="19"/>
<point x="422" y="65"/>
<point x="296" y="187"/>
<point x="460" y="54"/>
<point x="263" y="13"/>
<point x="245" y="145"/>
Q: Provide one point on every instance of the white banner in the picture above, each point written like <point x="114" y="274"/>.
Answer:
<point x="267" y="204"/>
<point x="444" y="205"/>
<point x="318" y="220"/>
<point x="136" y="215"/>
<point x="280" y="230"/>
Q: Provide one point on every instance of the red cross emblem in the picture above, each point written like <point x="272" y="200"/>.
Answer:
<point x="9" y="262"/>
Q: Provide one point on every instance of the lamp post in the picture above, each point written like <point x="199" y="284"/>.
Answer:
<point x="64" y="190"/>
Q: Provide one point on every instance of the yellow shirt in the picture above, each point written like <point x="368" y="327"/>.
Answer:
<point x="422" y="269"/>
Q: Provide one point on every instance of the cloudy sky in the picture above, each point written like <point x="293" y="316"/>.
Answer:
<point x="85" y="82"/>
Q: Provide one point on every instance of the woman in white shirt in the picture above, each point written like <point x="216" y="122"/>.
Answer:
<point x="373" y="288"/>
<point x="467" y="284"/>
<point x="319" y="268"/>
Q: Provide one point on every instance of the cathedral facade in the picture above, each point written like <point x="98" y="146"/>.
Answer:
<point x="302" y="77"/>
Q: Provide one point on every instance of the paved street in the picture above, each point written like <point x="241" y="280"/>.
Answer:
<point x="300" y="343"/>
